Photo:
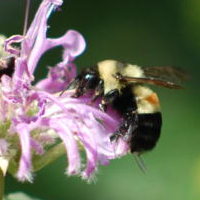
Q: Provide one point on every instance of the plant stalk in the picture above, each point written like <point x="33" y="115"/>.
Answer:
<point x="49" y="156"/>
<point x="1" y="184"/>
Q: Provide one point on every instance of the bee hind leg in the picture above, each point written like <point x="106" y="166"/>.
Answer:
<point x="126" y="129"/>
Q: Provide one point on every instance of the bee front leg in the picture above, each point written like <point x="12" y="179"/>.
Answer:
<point x="73" y="84"/>
<point x="108" y="98"/>
<point x="80" y="89"/>
<point x="99" y="90"/>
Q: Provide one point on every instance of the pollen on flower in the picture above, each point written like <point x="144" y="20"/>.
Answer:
<point x="36" y="122"/>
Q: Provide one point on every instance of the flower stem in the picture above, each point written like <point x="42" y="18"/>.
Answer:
<point x="1" y="184"/>
<point x="26" y="16"/>
<point x="49" y="156"/>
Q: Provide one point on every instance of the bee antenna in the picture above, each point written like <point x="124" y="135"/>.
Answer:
<point x="140" y="162"/>
<point x="27" y="9"/>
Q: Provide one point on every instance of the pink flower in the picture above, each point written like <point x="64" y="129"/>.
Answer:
<point x="35" y="119"/>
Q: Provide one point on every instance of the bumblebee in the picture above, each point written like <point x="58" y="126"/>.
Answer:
<point x="7" y="66"/>
<point x="123" y="86"/>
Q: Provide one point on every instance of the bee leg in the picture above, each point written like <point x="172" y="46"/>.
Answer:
<point x="71" y="85"/>
<point x="98" y="91"/>
<point x="116" y="135"/>
<point x="132" y="124"/>
<point x="80" y="90"/>
<point x="124" y="131"/>
<point x="127" y="128"/>
<point x="82" y="87"/>
<point x="129" y="133"/>
<point x="108" y="98"/>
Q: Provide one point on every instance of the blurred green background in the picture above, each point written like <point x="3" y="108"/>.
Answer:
<point x="143" y="32"/>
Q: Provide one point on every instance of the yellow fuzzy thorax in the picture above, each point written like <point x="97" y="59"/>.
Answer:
<point x="108" y="68"/>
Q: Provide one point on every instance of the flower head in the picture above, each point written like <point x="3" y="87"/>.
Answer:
<point x="34" y="120"/>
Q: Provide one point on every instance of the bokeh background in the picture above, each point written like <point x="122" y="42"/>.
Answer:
<point x="147" y="33"/>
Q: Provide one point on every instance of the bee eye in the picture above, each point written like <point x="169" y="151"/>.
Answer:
<point x="91" y="80"/>
<point x="89" y="77"/>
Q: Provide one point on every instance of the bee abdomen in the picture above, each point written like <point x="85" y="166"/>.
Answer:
<point x="147" y="133"/>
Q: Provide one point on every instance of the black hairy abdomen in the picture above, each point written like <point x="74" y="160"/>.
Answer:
<point x="147" y="133"/>
<point x="146" y="127"/>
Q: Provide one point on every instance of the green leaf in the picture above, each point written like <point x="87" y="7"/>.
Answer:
<point x="19" y="196"/>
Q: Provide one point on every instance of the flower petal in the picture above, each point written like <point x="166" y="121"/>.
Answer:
<point x="37" y="43"/>
<point x="91" y="152"/>
<point x="9" y="41"/>
<point x="73" y="43"/>
<point x="58" y="78"/>
<point x="70" y="143"/>
<point x="37" y="146"/>
<point x="24" y="172"/>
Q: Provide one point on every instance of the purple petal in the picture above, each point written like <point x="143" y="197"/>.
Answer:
<point x="90" y="145"/>
<point x="70" y="143"/>
<point x="24" y="172"/>
<point x="37" y="146"/>
<point x="58" y="78"/>
<point x="73" y="43"/>
<point x="37" y="43"/>
<point x="38" y="25"/>
<point x="51" y="86"/>
<point x="13" y="39"/>
<point x="21" y="73"/>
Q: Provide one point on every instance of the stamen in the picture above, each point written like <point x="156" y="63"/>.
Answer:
<point x="26" y="16"/>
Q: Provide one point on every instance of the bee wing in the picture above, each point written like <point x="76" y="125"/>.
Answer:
<point x="152" y="81"/>
<point x="168" y="73"/>
<point x="168" y="77"/>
